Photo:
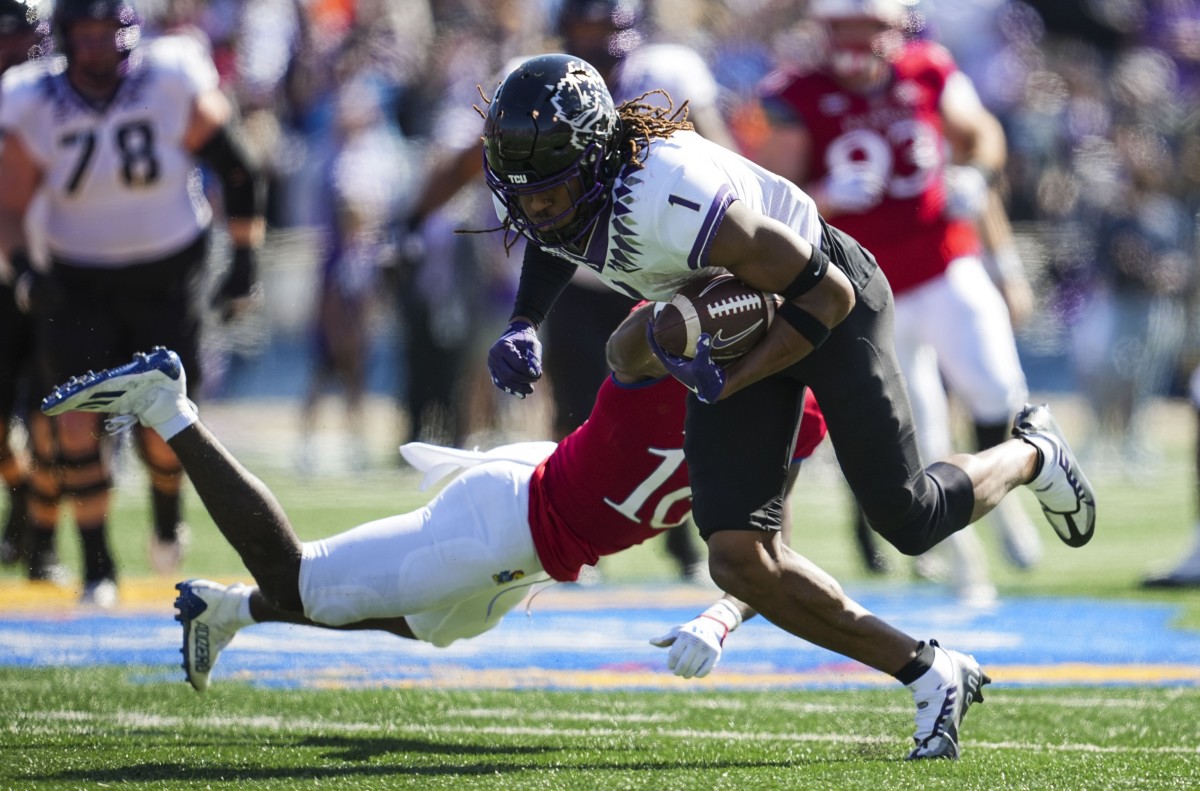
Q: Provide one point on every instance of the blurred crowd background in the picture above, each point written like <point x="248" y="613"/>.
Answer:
<point x="358" y="106"/>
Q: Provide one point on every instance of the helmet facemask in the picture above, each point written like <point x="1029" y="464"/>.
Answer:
<point x="589" y="196"/>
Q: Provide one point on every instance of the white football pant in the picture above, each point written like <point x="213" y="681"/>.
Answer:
<point x="957" y="327"/>
<point x="452" y="568"/>
<point x="962" y="316"/>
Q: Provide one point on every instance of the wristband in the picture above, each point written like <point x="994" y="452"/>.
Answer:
<point x="724" y="613"/>
<point x="805" y="323"/>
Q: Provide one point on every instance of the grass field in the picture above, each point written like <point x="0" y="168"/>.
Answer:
<point x="100" y="727"/>
<point x="131" y="725"/>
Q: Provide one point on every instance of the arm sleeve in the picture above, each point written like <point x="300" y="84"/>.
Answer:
<point x="543" y="278"/>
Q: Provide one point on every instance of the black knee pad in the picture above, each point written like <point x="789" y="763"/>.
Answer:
<point x="945" y="509"/>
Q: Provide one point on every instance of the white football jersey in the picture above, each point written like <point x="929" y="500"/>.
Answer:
<point x="122" y="188"/>
<point x="656" y="233"/>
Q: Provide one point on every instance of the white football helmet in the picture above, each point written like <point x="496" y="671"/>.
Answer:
<point x="893" y="12"/>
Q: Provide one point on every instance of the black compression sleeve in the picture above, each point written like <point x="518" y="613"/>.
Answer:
<point x="240" y="182"/>
<point x="543" y="278"/>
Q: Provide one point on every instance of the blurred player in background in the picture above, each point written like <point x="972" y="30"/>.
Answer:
<point x="31" y="477"/>
<point x="1186" y="572"/>
<point x="113" y="130"/>
<point x="366" y="175"/>
<point x="866" y="135"/>
<point x="518" y="515"/>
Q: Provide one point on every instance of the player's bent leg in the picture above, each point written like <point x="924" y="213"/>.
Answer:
<point x="246" y="513"/>
<point x="943" y="502"/>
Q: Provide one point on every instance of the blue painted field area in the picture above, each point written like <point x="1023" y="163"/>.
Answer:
<point x="577" y="638"/>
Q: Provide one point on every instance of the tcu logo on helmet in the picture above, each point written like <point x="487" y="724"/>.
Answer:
<point x="518" y="178"/>
<point x="583" y="103"/>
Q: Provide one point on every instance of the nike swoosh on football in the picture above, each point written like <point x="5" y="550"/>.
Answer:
<point x="720" y="341"/>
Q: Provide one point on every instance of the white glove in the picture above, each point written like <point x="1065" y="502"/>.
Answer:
<point x="696" y="645"/>
<point x="854" y="188"/>
<point x="966" y="192"/>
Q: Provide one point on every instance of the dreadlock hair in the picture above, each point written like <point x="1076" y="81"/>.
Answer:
<point x="642" y="122"/>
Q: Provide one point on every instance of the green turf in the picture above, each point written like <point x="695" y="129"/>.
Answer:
<point x="120" y="726"/>
<point x="94" y="728"/>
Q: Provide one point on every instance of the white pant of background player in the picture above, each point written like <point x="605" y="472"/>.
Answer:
<point x="954" y="331"/>
<point x="452" y="568"/>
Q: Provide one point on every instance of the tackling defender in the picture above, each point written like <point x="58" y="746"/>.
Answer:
<point x="634" y="194"/>
<point x="517" y="515"/>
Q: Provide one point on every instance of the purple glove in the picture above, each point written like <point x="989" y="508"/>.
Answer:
<point x="515" y="361"/>
<point x="700" y="375"/>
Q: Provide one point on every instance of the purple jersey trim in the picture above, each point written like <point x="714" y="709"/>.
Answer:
<point x="698" y="258"/>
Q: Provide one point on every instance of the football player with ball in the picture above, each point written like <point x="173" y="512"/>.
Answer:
<point x="634" y="194"/>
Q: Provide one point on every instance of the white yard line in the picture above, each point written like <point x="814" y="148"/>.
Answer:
<point x="52" y="722"/>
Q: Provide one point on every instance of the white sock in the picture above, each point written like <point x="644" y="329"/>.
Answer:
<point x="1047" y="452"/>
<point x="940" y="673"/>
<point x="244" y="618"/>
<point x="169" y="415"/>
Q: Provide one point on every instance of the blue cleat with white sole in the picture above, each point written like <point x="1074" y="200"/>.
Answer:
<point x="151" y="390"/>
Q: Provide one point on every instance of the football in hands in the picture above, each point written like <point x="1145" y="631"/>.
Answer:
<point x="734" y="314"/>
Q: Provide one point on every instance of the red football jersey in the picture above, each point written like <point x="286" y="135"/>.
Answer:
<point x="898" y="132"/>
<point x="620" y="478"/>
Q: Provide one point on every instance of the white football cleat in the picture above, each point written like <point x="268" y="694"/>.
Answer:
<point x="1065" y="495"/>
<point x="152" y="388"/>
<point x="209" y="614"/>
<point x="940" y="711"/>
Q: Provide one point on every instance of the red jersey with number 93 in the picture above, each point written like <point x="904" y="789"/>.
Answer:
<point x="899" y="133"/>
<point x="620" y="478"/>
